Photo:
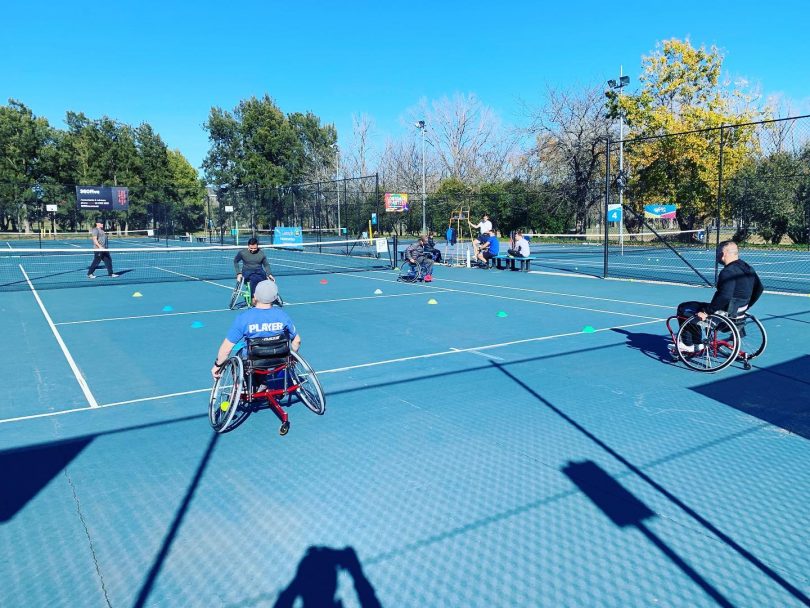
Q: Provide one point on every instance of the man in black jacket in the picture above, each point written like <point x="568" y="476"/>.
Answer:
<point x="738" y="288"/>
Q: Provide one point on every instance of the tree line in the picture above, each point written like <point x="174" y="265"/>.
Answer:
<point x="546" y="174"/>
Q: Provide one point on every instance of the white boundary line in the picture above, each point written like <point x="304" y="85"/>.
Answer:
<point x="337" y="370"/>
<point x="76" y="372"/>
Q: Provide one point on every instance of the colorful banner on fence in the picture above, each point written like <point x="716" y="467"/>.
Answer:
<point x="110" y="198"/>
<point x="396" y="201"/>
<point x="288" y="235"/>
<point x="660" y="212"/>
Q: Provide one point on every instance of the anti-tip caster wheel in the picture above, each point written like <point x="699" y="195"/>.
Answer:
<point x="284" y="429"/>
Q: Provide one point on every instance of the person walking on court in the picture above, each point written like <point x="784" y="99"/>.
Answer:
<point x="100" y="253"/>
<point x="738" y="289"/>
<point x="255" y="265"/>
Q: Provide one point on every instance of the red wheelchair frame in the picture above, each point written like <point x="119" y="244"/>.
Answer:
<point x="723" y="340"/>
<point x="233" y="398"/>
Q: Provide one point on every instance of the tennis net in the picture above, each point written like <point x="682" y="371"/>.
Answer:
<point x="53" y="268"/>
<point x="594" y="242"/>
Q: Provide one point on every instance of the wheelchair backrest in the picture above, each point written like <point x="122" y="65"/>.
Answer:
<point x="268" y="348"/>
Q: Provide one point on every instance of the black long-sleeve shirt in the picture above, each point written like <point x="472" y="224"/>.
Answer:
<point x="738" y="285"/>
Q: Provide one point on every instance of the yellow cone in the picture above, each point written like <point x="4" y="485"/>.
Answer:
<point x="432" y="301"/>
<point x="137" y="294"/>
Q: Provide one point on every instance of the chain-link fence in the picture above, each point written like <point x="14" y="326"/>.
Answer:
<point x="684" y="193"/>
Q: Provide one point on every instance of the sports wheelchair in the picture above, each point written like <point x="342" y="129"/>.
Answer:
<point x="411" y="273"/>
<point x="265" y="369"/>
<point x="242" y="298"/>
<point x="718" y="341"/>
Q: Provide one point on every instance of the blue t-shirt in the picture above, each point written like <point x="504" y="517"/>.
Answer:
<point x="261" y="323"/>
<point x="494" y="245"/>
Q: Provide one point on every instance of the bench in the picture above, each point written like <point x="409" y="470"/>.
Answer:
<point x="504" y="260"/>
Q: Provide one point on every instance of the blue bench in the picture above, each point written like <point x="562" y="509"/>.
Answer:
<point x="504" y="260"/>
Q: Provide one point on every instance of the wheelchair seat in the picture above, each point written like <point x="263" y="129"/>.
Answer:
<point x="268" y="352"/>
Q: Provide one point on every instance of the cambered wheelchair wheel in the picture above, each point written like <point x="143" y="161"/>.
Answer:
<point x="226" y="395"/>
<point x="238" y="296"/>
<point x="753" y="338"/>
<point x="708" y="346"/>
<point x="410" y="273"/>
<point x="310" y="390"/>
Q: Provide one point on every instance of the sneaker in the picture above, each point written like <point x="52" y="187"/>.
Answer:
<point x="689" y="348"/>
<point x="428" y="278"/>
<point x="91" y="276"/>
<point x="113" y="276"/>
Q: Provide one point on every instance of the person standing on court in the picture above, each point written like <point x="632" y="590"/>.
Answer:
<point x="484" y="226"/>
<point x="255" y="265"/>
<point x="100" y="253"/>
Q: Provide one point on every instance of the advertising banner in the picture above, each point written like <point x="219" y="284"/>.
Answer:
<point x="396" y="201"/>
<point x="108" y="198"/>
<point x="660" y="212"/>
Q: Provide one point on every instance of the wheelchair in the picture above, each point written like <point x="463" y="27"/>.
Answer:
<point x="242" y="298"/>
<point x="718" y="341"/>
<point x="266" y="369"/>
<point x="411" y="273"/>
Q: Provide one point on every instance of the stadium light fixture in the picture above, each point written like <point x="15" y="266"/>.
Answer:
<point x="420" y="124"/>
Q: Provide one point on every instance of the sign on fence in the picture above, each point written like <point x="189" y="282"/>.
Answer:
<point x="112" y="198"/>
<point x="660" y="212"/>
<point x="396" y="201"/>
<point x="614" y="213"/>
<point x="287" y="235"/>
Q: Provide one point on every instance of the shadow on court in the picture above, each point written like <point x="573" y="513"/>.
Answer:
<point x="625" y="510"/>
<point x="316" y="580"/>
<point x="655" y="346"/>
<point x="26" y="471"/>
<point x="779" y="394"/>
<point x="587" y="475"/>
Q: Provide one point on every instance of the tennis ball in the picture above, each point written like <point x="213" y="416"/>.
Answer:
<point x="224" y="406"/>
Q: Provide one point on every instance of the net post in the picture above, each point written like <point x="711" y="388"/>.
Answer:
<point x="607" y="202"/>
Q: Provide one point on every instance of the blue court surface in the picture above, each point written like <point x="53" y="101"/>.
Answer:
<point x="487" y="449"/>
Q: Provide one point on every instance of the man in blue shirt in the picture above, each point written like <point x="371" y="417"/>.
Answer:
<point x="263" y="321"/>
<point x="490" y="247"/>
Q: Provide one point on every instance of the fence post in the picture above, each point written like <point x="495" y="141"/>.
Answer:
<point x="719" y="201"/>
<point x="607" y="202"/>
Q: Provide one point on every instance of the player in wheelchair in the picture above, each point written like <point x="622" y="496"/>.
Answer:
<point x="712" y="335"/>
<point x="252" y="267"/>
<point x="418" y="263"/>
<point x="268" y="368"/>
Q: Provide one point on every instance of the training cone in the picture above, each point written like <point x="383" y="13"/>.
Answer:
<point x="197" y="325"/>
<point x="137" y="294"/>
<point x="432" y="301"/>
<point x="324" y="281"/>
<point x="588" y="329"/>
<point x="167" y="309"/>
<point x="377" y="292"/>
<point x="502" y="314"/>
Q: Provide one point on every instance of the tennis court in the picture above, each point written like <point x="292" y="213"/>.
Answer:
<point x="493" y="438"/>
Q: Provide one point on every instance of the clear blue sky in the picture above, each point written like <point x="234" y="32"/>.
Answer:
<point x="168" y="63"/>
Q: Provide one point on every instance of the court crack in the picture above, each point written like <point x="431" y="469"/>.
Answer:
<point x="89" y="540"/>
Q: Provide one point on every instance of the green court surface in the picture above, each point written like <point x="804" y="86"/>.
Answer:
<point x="482" y="450"/>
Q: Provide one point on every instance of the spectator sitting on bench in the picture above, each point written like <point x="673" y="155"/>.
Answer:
<point x="488" y="249"/>
<point x="521" y="248"/>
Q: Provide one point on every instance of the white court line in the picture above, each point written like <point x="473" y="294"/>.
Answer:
<point x="79" y="378"/>
<point x="452" y="351"/>
<point x="214" y="310"/>
<point x="480" y="354"/>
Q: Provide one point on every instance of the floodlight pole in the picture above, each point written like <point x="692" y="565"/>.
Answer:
<point x="421" y="126"/>
<point x="337" y="186"/>
<point x="620" y="84"/>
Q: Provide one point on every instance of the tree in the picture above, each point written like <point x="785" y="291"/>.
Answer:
<point x="187" y="191"/>
<point x="681" y="93"/>
<point x="570" y="130"/>
<point x="23" y="138"/>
